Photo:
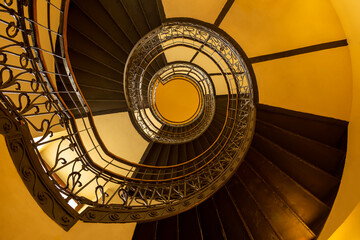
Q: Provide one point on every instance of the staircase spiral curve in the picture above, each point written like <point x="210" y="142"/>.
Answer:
<point x="102" y="57"/>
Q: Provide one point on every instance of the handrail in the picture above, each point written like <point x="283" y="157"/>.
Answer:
<point x="75" y="164"/>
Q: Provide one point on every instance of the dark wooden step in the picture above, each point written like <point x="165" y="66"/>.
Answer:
<point x="174" y="155"/>
<point x="96" y="12"/>
<point x="314" y="179"/>
<point x="316" y="153"/>
<point x="87" y="27"/>
<point x="211" y="224"/>
<point x="118" y="13"/>
<point x="151" y="12"/>
<point x="233" y="225"/>
<point x="168" y="229"/>
<point x="305" y="205"/>
<point x="84" y="63"/>
<point x="135" y="12"/>
<point x="257" y="223"/>
<point x="145" y="231"/>
<point x="189" y="225"/>
<point x="81" y="44"/>
<point x="281" y="216"/>
<point x="91" y="80"/>
<point x="104" y="106"/>
<point x="164" y="155"/>
<point x="322" y="129"/>
<point x="153" y="155"/>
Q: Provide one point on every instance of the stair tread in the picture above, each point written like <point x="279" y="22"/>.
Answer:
<point x="229" y="217"/>
<point x="95" y="11"/>
<point x="135" y="12"/>
<point x="310" y="209"/>
<point x="210" y="222"/>
<point x="282" y="218"/>
<point x="145" y="231"/>
<point x="167" y="228"/>
<point x="118" y="13"/>
<point x="87" y="27"/>
<point x="83" y="62"/>
<point x="324" y="156"/>
<point x="81" y="44"/>
<point x="307" y="206"/>
<point x="250" y="211"/>
<point x="316" y="180"/>
<point x="189" y="227"/>
<point x="322" y="129"/>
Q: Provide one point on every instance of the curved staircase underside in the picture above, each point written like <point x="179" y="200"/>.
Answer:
<point x="289" y="180"/>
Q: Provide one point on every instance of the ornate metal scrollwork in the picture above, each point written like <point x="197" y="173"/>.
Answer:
<point x="62" y="160"/>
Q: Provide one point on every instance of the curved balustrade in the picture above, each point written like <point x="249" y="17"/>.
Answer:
<point x="55" y="144"/>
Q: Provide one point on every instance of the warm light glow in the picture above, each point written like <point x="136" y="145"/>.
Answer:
<point x="178" y="100"/>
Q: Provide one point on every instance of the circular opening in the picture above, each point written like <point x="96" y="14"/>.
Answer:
<point x="178" y="101"/>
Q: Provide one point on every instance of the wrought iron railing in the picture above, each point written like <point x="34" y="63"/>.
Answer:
<point x="62" y="159"/>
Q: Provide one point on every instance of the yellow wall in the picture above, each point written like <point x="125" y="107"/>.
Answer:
<point x="120" y="137"/>
<point x="265" y="26"/>
<point x="317" y="83"/>
<point x="349" y="192"/>
<point x="21" y="217"/>
<point x="204" y="10"/>
<point x="349" y="230"/>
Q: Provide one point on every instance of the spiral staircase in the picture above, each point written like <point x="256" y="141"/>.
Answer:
<point x="213" y="176"/>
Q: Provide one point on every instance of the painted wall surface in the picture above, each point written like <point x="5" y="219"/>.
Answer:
<point x="21" y="217"/>
<point x="265" y="26"/>
<point x="204" y="10"/>
<point x="120" y="137"/>
<point x="319" y="83"/>
<point x="349" y="230"/>
<point x="349" y="191"/>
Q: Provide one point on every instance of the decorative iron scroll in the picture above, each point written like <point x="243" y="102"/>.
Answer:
<point x="62" y="160"/>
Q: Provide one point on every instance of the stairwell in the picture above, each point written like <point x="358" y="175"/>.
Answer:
<point x="283" y="190"/>
<point x="289" y="180"/>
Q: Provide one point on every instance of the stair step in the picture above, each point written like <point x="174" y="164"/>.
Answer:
<point x="164" y="155"/>
<point x="174" y="155"/>
<point x="145" y="231"/>
<point x="118" y="13"/>
<point x="307" y="206"/>
<point x="322" y="129"/>
<point x="318" y="154"/>
<point x="96" y="12"/>
<point x="257" y="223"/>
<point x="135" y="11"/>
<point x="232" y="222"/>
<point x="168" y="228"/>
<point x="89" y="65"/>
<point x="91" y="92"/>
<point x="153" y="155"/>
<point x="151" y="12"/>
<point x="189" y="226"/>
<point x="282" y="218"/>
<point x="100" y="107"/>
<point x="182" y="153"/>
<point x="198" y="147"/>
<point x="87" y="27"/>
<point x="83" y="45"/>
<point x="190" y="150"/>
<point x="317" y="181"/>
<point x="212" y="228"/>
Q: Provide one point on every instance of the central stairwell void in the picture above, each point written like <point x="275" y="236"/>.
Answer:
<point x="218" y="165"/>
